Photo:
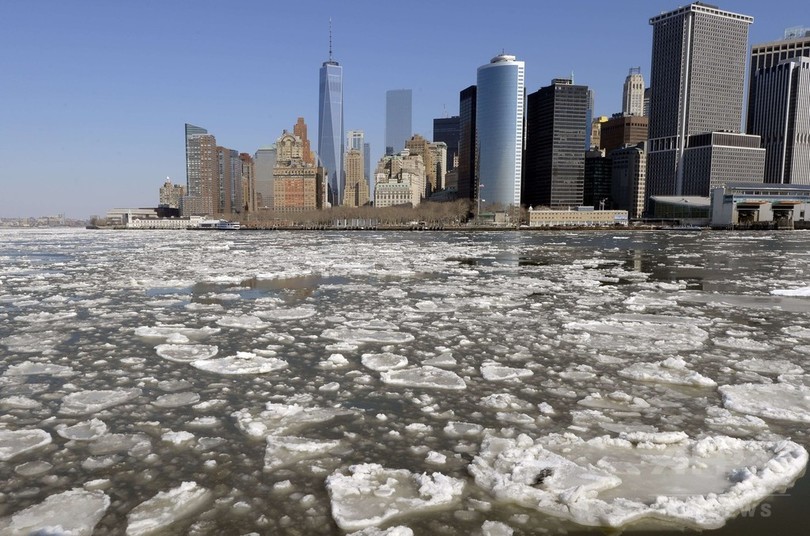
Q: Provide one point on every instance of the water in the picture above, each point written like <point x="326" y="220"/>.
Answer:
<point x="572" y="308"/>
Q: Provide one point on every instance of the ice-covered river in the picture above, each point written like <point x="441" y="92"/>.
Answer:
<point x="398" y="383"/>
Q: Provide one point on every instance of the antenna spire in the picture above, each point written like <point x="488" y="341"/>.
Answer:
<point x="330" y="38"/>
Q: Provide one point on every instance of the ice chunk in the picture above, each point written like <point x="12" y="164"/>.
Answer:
<point x="83" y="431"/>
<point x="29" y="368"/>
<point x="75" y="513"/>
<point x="428" y="377"/>
<point x="617" y="400"/>
<point x="114" y="443"/>
<point x="358" y="336"/>
<point x="281" y="419"/>
<point x="673" y="370"/>
<point x="283" y="451"/>
<point x="241" y="363"/>
<point x="84" y="402"/>
<point x="662" y="476"/>
<point x="178" y="438"/>
<point x="16" y="442"/>
<point x="164" y="331"/>
<point x="496" y="528"/>
<point x="185" y="353"/>
<point x="783" y="401"/>
<point x="768" y="366"/>
<point x="391" y="531"/>
<point x="742" y="343"/>
<point x="371" y="494"/>
<point x="495" y="372"/>
<point x="176" y="400"/>
<point x="167" y="508"/>
<point x="18" y="402"/>
<point x="384" y="361"/>
<point x="35" y="468"/>
<point x="505" y="401"/>
<point x="334" y="361"/>
<point x="242" y="321"/>
<point x="297" y="313"/>
<point x="800" y="291"/>
<point x="34" y="343"/>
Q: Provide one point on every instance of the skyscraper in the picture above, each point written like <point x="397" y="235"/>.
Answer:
<point x="446" y="129"/>
<point x="555" y="134"/>
<point x="300" y="130"/>
<point x="499" y="127"/>
<point x="201" y="172"/>
<point x="467" y="151"/>
<point x="398" y="117"/>
<point x="356" y="192"/>
<point x="354" y="140"/>
<point x="330" y="124"/>
<point x="263" y="163"/>
<point x="367" y="172"/>
<point x="779" y="107"/>
<point x="696" y="82"/>
<point x="633" y="94"/>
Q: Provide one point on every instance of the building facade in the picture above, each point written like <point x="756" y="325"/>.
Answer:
<point x="248" y="183"/>
<point x="446" y="129"/>
<point x="356" y="193"/>
<point x="297" y="184"/>
<point x="713" y="159"/>
<point x="628" y="179"/>
<point x="171" y="195"/>
<point x="597" y="180"/>
<point x="201" y="172"/>
<point x="779" y="108"/>
<point x="438" y="152"/>
<point x="398" y="119"/>
<point x="633" y="93"/>
<point x="264" y="160"/>
<point x="621" y="130"/>
<point x="499" y="126"/>
<point x="555" y="134"/>
<point x="417" y="145"/>
<point x="330" y="127"/>
<point x="696" y="82"/>
<point x="400" y="180"/>
<point x="467" y="147"/>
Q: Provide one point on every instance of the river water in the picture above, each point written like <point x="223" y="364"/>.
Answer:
<point x="520" y="332"/>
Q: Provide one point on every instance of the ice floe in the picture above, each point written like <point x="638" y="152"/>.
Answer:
<point x="16" y="442"/>
<point x="370" y="494"/>
<point x="615" y="481"/>
<point x="83" y="431"/>
<point x="359" y="336"/>
<point x="185" y="353"/>
<point x="93" y="401"/>
<point x="783" y="401"/>
<point x="673" y="370"/>
<point x="75" y="513"/>
<point x="242" y="321"/>
<point x="239" y="364"/>
<point x="284" y="419"/>
<point x="164" y="331"/>
<point x="768" y="366"/>
<point x="495" y="372"/>
<point x="283" y="451"/>
<point x="29" y="368"/>
<point x="384" y="361"/>
<point x="427" y="377"/>
<point x="157" y="514"/>
<point x="286" y="315"/>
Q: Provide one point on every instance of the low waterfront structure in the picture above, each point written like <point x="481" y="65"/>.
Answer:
<point x="741" y="205"/>
<point x="582" y="217"/>
<point x="164" y="223"/>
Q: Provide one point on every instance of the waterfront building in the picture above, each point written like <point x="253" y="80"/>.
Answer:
<point x="438" y="151"/>
<point x="555" y="134"/>
<point x="248" y="183"/>
<point x="228" y="187"/>
<point x="715" y="158"/>
<point x="398" y="119"/>
<point x="356" y="193"/>
<point x="741" y="205"/>
<point x="499" y="127"/>
<point x="264" y="160"/>
<point x="330" y="125"/>
<point x="400" y="180"/>
<point x="201" y="171"/>
<point x="467" y="146"/>
<point x="633" y="93"/>
<point x="417" y="145"/>
<point x="779" y="108"/>
<point x="621" y="130"/>
<point x="297" y="185"/>
<point x="581" y="217"/>
<point x="628" y="179"/>
<point x="596" y="189"/>
<point x="696" y="87"/>
<point x="446" y="129"/>
<point x="171" y="195"/>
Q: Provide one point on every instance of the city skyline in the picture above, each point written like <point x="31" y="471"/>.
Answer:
<point x="98" y="93"/>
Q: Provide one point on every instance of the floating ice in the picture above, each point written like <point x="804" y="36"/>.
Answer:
<point x="334" y="361"/>
<point x="801" y="291"/>
<point x="177" y="438"/>
<point x="45" y="317"/>
<point x="83" y="431"/>
<point x="18" y="402"/>
<point x="463" y="429"/>
<point x="34" y="343"/>
<point x="281" y="419"/>
<point x="371" y="494"/>
<point x="241" y="363"/>
<point x="734" y="425"/>
<point x="391" y="531"/>
<point x="505" y="401"/>
<point x="742" y="343"/>
<point x="384" y="361"/>
<point x="283" y="315"/>
<point x="283" y="451"/>
<point x="768" y="366"/>
<point x="164" y="331"/>
<point x="672" y="370"/>
<point x="34" y="468"/>
<point x="495" y="372"/>
<point x="75" y="513"/>
<point x="783" y="401"/>
<point x="176" y="400"/>
<point x="29" y="368"/>
<point x="429" y="377"/>
<point x="496" y="528"/>
<point x="616" y="400"/>
<point x="185" y="353"/>
<point x="242" y="321"/>
<point x="612" y="482"/>
<point x="84" y="402"/>
<point x="16" y="442"/>
<point x="357" y="336"/>
<point x="114" y="443"/>
<point x="640" y="337"/>
<point x="167" y="508"/>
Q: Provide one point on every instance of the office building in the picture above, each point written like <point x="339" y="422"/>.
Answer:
<point x="201" y="172"/>
<point x="715" y="158"/>
<point x="438" y="150"/>
<point x="356" y="193"/>
<point x="633" y="93"/>
<point x="621" y="130"/>
<point x="589" y="118"/>
<point x="446" y="129"/>
<point x="228" y="188"/>
<point x="597" y="175"/>
<point x="417" y="145"/>
<point x="779" y="108"/>
<point x="398" y="119"/>
<point x="628" y="179"/>
<point x="248" y="183"/>
<point x="264" y="160"/>
<point x="330" y="125"/>
<point x="400" y="180"/>
<point x="355" y="140"/>
<point x="467" y="146"/>
<point x="555" y="134"/>
<point x="297" y="185"/>
<point x="596" y="131"/>
<point x="367" y="171"/>
<point x="171" y="195"/>
<point x="696" y="87"/>
<point x="499" y="127"/>
<point x="300" y="130"/>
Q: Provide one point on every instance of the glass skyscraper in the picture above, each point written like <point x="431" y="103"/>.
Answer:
<point x="499" y="126"/>
<point x="398" y="117"/>
<point x="330" y="127"/>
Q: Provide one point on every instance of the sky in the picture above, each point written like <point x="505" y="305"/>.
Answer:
<point x="94" y="94"/>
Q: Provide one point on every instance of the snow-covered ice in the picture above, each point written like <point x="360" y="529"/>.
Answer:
<point x="781" y="401"/>
<point x="185" y="353"/>
<point x="283" y="451"/>
<point x="239" y="364"/>
<point x="672" y="370"/>
<point x="94" y="401"/>
<point x="75" y="512"/>
<point x="427" y="377"/>
<point x="166" y="508"/>
<point x="14" y="443"/>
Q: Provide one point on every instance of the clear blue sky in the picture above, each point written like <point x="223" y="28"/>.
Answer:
<point x="94" y="94"/>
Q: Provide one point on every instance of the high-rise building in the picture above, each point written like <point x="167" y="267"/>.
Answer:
<point x="171" y="195"/>
<point x="438" y="150"/>
<point x="621" y="130"/>
<point x="297" y="184"/>
<point x="467" y="147"/>
<point x="367" y="172"/>
<point x="417" y="145"/>
<point x="446" y="129"/>
<point x="356" y="193"/>
<point x="264" y="160"/>
<point x="201" y="172"/>
<point x="555" y="134"/>
<point x="696" y="87"/>
<point x="597" y="180"/>
<point x="596" y="131"/>
<point x="589" y="118"/>
<point x="228" y="189"/>
<point x="779" y="106"/>
<point x="400" y="180"/>
<point x="355" y="140"/>
<point x="633" y="94"/>
<point x="499" y="127"/>
<point x="628" y="179"/>
<point x="330" y="125"/>
<point x="300" y="130"/>
<point x="398" y="118"/>
<point x="248" y="183"/>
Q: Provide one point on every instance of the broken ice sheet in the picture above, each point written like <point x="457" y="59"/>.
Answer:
<point x="673" y="370"/>
<point x="85" y="402"/>
<point x="371" y="494"/>
<point x="616" y="481"/>
<point x="783" y="401"/>
<point x="166" y="508"/>
<point x="241" y="363"/>
<point x="428" y="377"/>
<point x="185" y="353"/>
<point x="283" y="419"/>
<point x="16" y="442"/>
<point x="283" y="451"/>
<point x="75" y="513"/>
